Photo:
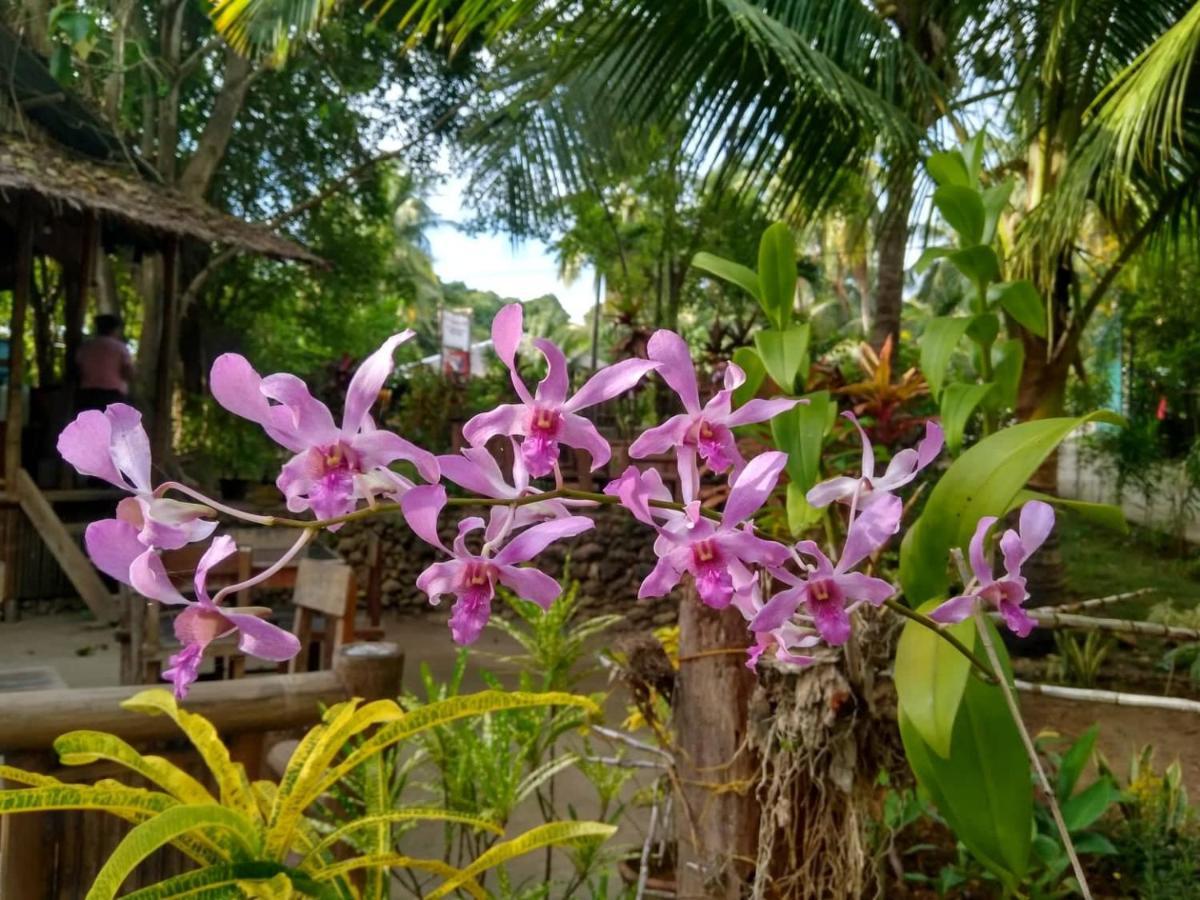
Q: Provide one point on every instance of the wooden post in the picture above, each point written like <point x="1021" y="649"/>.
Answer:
<point x="16" y="345"/>
<point x="370" y="669"/>
<point x="718" y="828"/>
<point x="164" y="375"/>
<point x="27" y="840"/>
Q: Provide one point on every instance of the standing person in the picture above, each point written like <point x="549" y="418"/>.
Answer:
<point x="105" y="365"/>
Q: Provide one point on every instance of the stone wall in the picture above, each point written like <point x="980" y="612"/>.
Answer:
<point x="609" y="561"/>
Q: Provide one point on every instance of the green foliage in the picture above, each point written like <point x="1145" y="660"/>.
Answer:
<point x="930" y="677"/>
<point x="247" y="839"/>
<point x="1081" y="657"/>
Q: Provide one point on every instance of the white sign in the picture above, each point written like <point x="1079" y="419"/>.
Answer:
<point x="456" y="329"/>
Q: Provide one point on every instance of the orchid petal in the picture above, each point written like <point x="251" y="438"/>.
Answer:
<point x="636" y="489"/>
<point x="576" y="431"/>
<point x="857" y="586"/>
<point x="507" y="330"/>
<point x="532" y="541"/>
<point x="760" y="411"/>
<point x="661" y="438"/>
<point x="956" y="609"/>
<point x="778" y="609"/>
<point x="368" y="381"/>
<point x="868" y="452"/>
<point x="552" y="390"/>
<point x="1035" y="525"/>
<point x="381" y="448"/>
<point x="218" y="551"/>
<point x="979" y="561"/>
<point x="870" y="530"/>
<point x="676" y="368"/>
<point x="183" y="668"/>
<point x="831" y="619"/>
<point x="113" y="545"/>
<point x="130" y="447"/>
<point x="841" y="487"/>
<point x="1017" y="620"/>
<point x="86" y="444"/>
<point x="468" y="616"/>
<point x="752" y="487"/>
<point x="476" y="470"/>
<point x="421" y="507"/>
<point x="609" y="382"/>
<point x="930" y="445"/>
<point x="530" y="584"/>
<point x="689" y="473"/>
<point x="661" y="580"/>
<point x="824" y="566"/>
<point x="262" y="639"/>
<point x="751" y="548"/>
<point x="149" y="578"/>
<point x="309" y="419"/>
<point x="507" y="418"/>
<point x="440" y="579"/>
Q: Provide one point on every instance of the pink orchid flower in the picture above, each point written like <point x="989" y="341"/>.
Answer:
<point x="829" y="592"/>
<point x="472" y="577"/>
<point x="116" y="550"/>
<point x="112" y="445"/>
<point x="476" y="470"/>
<point x="716" y="553"/>
<point x="547" y="417"/>
<point x="900" y="471"/>
<point x="705" y="430"/>
<point x="635" y="489"/>
<point x="333" y="468"/>
<point x="1008" y="592"/>
<point x="784" y="641"/>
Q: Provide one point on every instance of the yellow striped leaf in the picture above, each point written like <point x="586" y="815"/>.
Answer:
<point x="82" y="748"/>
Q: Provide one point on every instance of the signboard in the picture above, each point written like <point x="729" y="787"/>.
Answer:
<point x="456" y="329"/>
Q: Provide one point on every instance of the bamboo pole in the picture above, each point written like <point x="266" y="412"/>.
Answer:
<point x="1100" y="601"/>
<point x="1046" y="618"/>
<point x="1116" y="698"/>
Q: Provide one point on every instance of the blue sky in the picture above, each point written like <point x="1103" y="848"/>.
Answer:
<point x="493" y="262"/>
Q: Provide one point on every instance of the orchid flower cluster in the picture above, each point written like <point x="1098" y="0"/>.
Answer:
<point x="794" y="598"/>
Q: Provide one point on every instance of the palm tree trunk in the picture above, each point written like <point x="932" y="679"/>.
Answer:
<point x="893" y="243"/>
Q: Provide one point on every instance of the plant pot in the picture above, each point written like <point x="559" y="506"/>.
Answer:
<point x="233" y="488"/>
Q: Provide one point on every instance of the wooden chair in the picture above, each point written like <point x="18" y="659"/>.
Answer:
<point x="325" y="588"/>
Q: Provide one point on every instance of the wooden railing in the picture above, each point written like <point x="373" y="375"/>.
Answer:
<point x="55" y="856"/>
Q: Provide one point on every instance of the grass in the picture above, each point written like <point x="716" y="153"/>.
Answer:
<point x="1100" y="562"/>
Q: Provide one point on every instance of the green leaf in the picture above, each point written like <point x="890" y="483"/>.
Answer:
<point x="82" y="748"/>
<point x="784" y="354"/>
<point x="1021" y="300"/>
<point x="982" y="790"/>
<point x="801" y="515"/>
<point x="1007" y="361"/>
<point x="800" y="432"/>
<point x="1073" y="762"/>
<point x="982" y="482"/>
<point x="728" y="270"/>
<point x="929" y="256"/>
<point x="164" y="828"/>
<point x="972" y="153"/>
<point x="958" y="402"/>
<point x="962" y="209"/>
<point x="930" y="677"/>
<point x="747" y="360"/>
<point x="1090" y="804"/>
<point x="948" y="167"/>
<point x="777" y="273"/>
<point x="978" y="263"/>
<point x="1106" y="515"/>
<point x="984" y="328"/>
<point x="938" y="344"/>
<point x="203" y="882"/>
<point x="995" y="201"/>
<point x="1093" y="844"/>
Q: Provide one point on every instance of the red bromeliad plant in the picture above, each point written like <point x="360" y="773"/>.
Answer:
<point x="344" y="473"/>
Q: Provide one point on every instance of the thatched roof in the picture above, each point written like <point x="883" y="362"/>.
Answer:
<point x="149" y="211"/>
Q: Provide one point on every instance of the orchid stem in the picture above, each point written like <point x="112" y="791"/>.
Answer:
<point x="981" y="668"/>
<point x="985" y="637"/>
<point x="306" y="536"/>
<point x="210" y="502"/>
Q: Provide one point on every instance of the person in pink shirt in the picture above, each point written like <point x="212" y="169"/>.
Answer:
<point x="105" y="365"/>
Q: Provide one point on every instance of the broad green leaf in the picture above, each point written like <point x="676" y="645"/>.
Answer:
<point x="801" y="515"/>
<point x="777" y="274"/>
<point x="552" y="834"/>
<point x="981" y="482"/>
<point x="983" y="789"/>
<point x="164" y="828"/>
<point x="82" y="748"/>
<point x="1092" y="844"/>
<point x="747" y="360"/>
<point x="962" y="209"/>
<point x="972" y="154"/>
<point x="941" y="337"/>
<point x="929" y="256"/>
<point x="1008" y="359"/>
<point x="233" y="786"/>
<point x="958" y="401"/>
<point x="122" y="801"/>
<point x="1073" y="763"/>
<point x="204" y="882"/>
<point x="800" y="432"/>
<point x="442" y="712"/>
<point x="1083" y="809"/>
<point x="1106" y="515"/>
<point x="948" y="167"/>
<point x="984" y="328"/>
<point x="1021" y="300"/>
<point x="978" y="263"/>
<point x="728" y="270"/>
<point x="784" y="354"/>
<point x="995" y="200"/>
<point x="930" y="677"/>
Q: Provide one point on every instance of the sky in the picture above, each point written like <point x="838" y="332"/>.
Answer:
<point x="492" y="262"/>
